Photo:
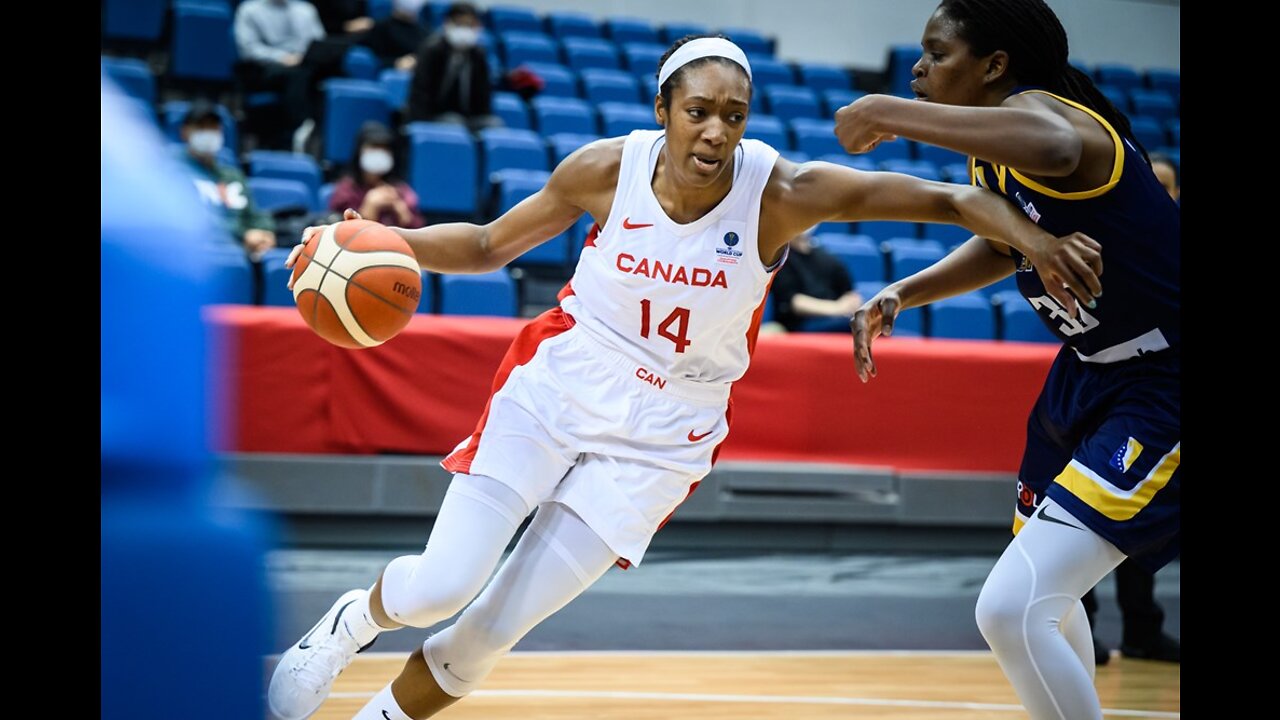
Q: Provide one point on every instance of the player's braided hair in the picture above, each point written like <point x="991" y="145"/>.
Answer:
<point x="1032" y="35"/>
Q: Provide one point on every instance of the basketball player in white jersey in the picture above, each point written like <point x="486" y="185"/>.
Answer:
<point x="608" y="410"/>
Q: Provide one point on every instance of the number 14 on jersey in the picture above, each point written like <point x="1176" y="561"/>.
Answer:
<point x="679" y="317"/>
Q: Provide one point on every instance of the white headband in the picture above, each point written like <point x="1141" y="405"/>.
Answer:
<point x="700" y="48"/>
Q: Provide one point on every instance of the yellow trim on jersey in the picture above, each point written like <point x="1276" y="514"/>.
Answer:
<point x="973" y="170"/>
<point x="1114" y="503"/>
<point x="1018" y="522"/>
<point x="1117" y="167"/>
<point x="980" y="178"/>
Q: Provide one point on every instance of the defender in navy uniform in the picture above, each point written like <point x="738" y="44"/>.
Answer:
<point x="1099" y="479"/>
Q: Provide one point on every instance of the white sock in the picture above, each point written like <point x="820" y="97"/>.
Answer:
<point x="382" y="706"/>
<point x="358" y="620"/>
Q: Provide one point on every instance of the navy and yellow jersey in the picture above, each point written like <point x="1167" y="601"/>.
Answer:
<point x="1140" y="230"/>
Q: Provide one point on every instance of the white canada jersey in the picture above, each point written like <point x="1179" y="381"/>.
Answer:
<point x="683" y="301"/>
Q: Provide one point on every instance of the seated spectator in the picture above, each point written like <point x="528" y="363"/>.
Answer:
<point x="275" y="39"/>
<point x="370" y="188"/>
<point x="813" y="291"/>
<point x="223" y="186"/>
<point x="1162" y="165"/>
<point x="396" y="38"/>
<point x="451" y="81"/>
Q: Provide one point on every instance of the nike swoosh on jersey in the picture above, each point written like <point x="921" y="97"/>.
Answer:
<point x="628" y="225"/>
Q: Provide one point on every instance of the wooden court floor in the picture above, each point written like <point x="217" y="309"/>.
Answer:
<point x="758" y="686"/>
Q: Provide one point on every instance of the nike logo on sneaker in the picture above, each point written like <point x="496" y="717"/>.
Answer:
<point x="303" y="644"/>
<point x="627" y="225"/>
<point x="696" y="438"/>
<point x="1044" y="515"/>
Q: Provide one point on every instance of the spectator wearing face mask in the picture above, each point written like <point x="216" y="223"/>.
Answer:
<point x="223" y="186"/>
<point x="451" y="81"/>
<point x="371" y="188"/>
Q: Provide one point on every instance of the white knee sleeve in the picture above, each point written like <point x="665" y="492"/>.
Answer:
<point x="556" y="559"/>
<point x="1034" y="587"/>
<point x="476" y="521"/>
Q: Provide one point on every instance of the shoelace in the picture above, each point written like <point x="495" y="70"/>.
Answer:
<point x="328" y="659"/>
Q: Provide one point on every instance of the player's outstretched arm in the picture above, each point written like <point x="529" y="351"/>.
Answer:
<point x="580" y="183"/>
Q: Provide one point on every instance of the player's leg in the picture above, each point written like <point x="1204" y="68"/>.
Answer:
<point x="1032" y="590"/>
<point x="555" y="560"/>
<point x="476" y="521"/>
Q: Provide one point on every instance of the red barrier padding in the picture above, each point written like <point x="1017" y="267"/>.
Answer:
<point x="937" y="404"/>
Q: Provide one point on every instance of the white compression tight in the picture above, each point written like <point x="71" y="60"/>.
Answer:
<point x="1030" y="613"/>
<point x="555" y="560"/>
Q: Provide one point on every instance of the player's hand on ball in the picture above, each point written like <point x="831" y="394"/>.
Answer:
<point x="307" y="234"/>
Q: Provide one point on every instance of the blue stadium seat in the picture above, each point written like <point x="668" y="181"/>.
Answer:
<point x="275" y="278"/>
<point x="1174" y="129"/>
<point x="348" y="104"/>
<point x="502" y="148"/>
<point x="1118" y="97"/>
<point x="565" y="24"/>
<point x="395" y="83"/>
<point x="893" y="150"/>
<point x="492" y="294"/>
<point x="288" y="166"/>
<point x="901" y="59"/>
<point x="202" y="47"/>
<point x="649" y="89"/>
<point x="766" y="72"/>
<point x="922" y="169"/>
<point x="563" y="144"/>
<point x="642" y="57"/>
<point x="511" y="108"/>
<point x="275" y="194"/>
<point x="133" y="77"/>
<point x="857" y="162"/>
<point x="324" y="193"/>
<point x="621" y="118"/>
<point x="816" y="137"/>
<point x="858" y="254"/>
<point x="519" y="48"/>
<point x="963" y="317"/>
<point x="1124" y="77"/>
<point x="833" y="100"/>
<point x="427" y="303"/>
<point x="516" y="185"/>
<point x="956" y="173"/>
<point x="173" y="112"/>
<point x="905" y="260"/>
<point x="133" y="19"/>
<point x="443" y="168"/>
<point x="788" y="102"/>
<point x="1005" y="285"/>
<point x="1019" y="321"/>
<point x="377" y="9"/>
<point x="583" y="53"/>
<point x="622" y="30"/>
<point x="939" y="156"/>
<point x="948" y="235"/>
<point x="561" y="81"/>
<point x="600" y="85"/>
<point x="552" y="115"/>
<point x="1157" y="104"/>
<point x="673" y="31"/>
<point x="751" y="41"/>
<point x="795" y="156"/>
<point x="1147" y="131"/>
<point x="820" y="77"/>
<point x="360" y="63"/>
<point x="1168" y="80"/>
<point x="507" y="18"/>
<point x="769" y="129"/>
<point x="230" y="275"/>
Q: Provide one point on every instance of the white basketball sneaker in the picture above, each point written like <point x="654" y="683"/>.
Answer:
<point x="306" y="671"/>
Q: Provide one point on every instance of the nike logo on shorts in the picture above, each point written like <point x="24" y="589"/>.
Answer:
<point x="696" y="438"/>
<point x="1044" y="515"/>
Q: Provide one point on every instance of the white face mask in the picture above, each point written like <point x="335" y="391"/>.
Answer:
<point x="376" y="162"/>
<point x="461" y="36"/>
<point x="205" y="142"/>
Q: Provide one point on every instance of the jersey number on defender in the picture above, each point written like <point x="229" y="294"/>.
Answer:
<point x="679" y="316"/>
<point x="1070" y="326"/>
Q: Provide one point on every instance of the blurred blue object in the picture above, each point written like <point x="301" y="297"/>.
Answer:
<point x="171" y="565"/>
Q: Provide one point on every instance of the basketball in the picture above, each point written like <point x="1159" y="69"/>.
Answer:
<point x="357" y="283"/>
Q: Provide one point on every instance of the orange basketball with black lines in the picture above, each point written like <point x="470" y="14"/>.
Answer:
<point x="357" y="283"/>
